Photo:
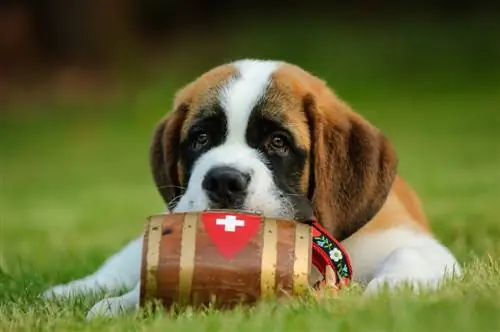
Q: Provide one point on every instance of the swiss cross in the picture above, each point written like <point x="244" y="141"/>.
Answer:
<point x="230" y="223"/>
<point x="231" y="232"/>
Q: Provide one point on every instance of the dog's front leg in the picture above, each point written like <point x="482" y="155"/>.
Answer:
<point x="120" y="271"/>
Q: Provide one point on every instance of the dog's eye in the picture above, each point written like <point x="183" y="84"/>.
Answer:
<point x="200" y="140"/>
<point x="277" y="143"/>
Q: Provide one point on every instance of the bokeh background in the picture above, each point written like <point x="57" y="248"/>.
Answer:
<point x="83" y="83"/>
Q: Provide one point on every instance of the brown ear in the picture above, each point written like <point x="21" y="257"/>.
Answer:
<point x="164" y="155"/>
<point x="353" y="165"/>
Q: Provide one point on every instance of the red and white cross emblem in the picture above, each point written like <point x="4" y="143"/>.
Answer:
<point x="230" y="232"/>
<point x="230" y="223"/>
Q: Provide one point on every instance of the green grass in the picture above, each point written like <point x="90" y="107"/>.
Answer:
<point x="75" y="187"/>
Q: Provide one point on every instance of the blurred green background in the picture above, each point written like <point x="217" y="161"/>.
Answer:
<point x="82" y="84"/>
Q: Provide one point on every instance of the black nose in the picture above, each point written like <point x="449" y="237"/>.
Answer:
<point x="225" y="185"/>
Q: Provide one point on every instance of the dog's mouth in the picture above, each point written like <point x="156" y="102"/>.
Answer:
<point x="236" y="205"/>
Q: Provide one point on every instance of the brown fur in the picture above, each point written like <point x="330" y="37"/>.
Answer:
<point x="411" y="202"/>
<point x="164" y="154"/>
<point x="401" y="207"/>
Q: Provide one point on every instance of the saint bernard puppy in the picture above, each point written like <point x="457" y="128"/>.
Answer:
<point x="269" y="136"/>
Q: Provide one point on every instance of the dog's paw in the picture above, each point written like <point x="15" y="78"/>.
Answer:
<point x="394" y="282"/>
<point x="108" y="307"/>
<point x="72" y="289"/>
<point x="63" y="291"/>
<point x="114" y="306"/>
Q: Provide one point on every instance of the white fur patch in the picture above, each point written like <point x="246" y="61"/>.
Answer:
<point x="239" y="97"/>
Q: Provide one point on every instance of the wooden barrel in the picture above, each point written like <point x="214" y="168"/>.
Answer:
<point x="223" y="258"/>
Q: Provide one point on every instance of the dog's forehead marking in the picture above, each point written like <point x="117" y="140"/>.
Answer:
<point x="242" y="92"/>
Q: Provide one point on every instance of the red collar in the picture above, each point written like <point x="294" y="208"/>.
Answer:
<point x="328" y="251"/>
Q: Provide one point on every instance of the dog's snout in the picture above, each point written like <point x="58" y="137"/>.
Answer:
<point x="225" y="184"/>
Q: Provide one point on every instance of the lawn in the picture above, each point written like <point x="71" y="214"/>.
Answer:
<point x="75" y="187"/>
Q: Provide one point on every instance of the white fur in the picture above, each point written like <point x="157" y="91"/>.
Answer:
<point x="399" y="255"/>
<point x="392" y="256"/>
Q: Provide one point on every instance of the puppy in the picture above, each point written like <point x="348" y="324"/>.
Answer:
<point x="269" y="136"/>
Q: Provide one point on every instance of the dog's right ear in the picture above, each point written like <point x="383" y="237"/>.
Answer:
<point x="164" y="155"/>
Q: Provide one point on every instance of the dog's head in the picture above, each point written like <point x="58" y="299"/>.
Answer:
<point x="268" y="136"/>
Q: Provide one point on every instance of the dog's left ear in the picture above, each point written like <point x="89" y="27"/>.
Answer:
<point x="164" y="155"/>
<point x="353" y="166"/>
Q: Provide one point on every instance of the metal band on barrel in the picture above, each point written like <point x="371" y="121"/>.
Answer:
<point x="153" y="255"/>
<point x="269" y="258"/>
<point x="186" y="264"/>
<point x="302" y="260"/>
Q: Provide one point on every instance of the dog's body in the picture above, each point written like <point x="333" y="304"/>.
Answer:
<point x="268" y="136"/>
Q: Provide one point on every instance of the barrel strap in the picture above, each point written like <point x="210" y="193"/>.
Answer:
<point x="153" y="255"/>
<point x="269" y="258"/>
<point x="302" y="264"/>
<point x="187" y="256"/>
